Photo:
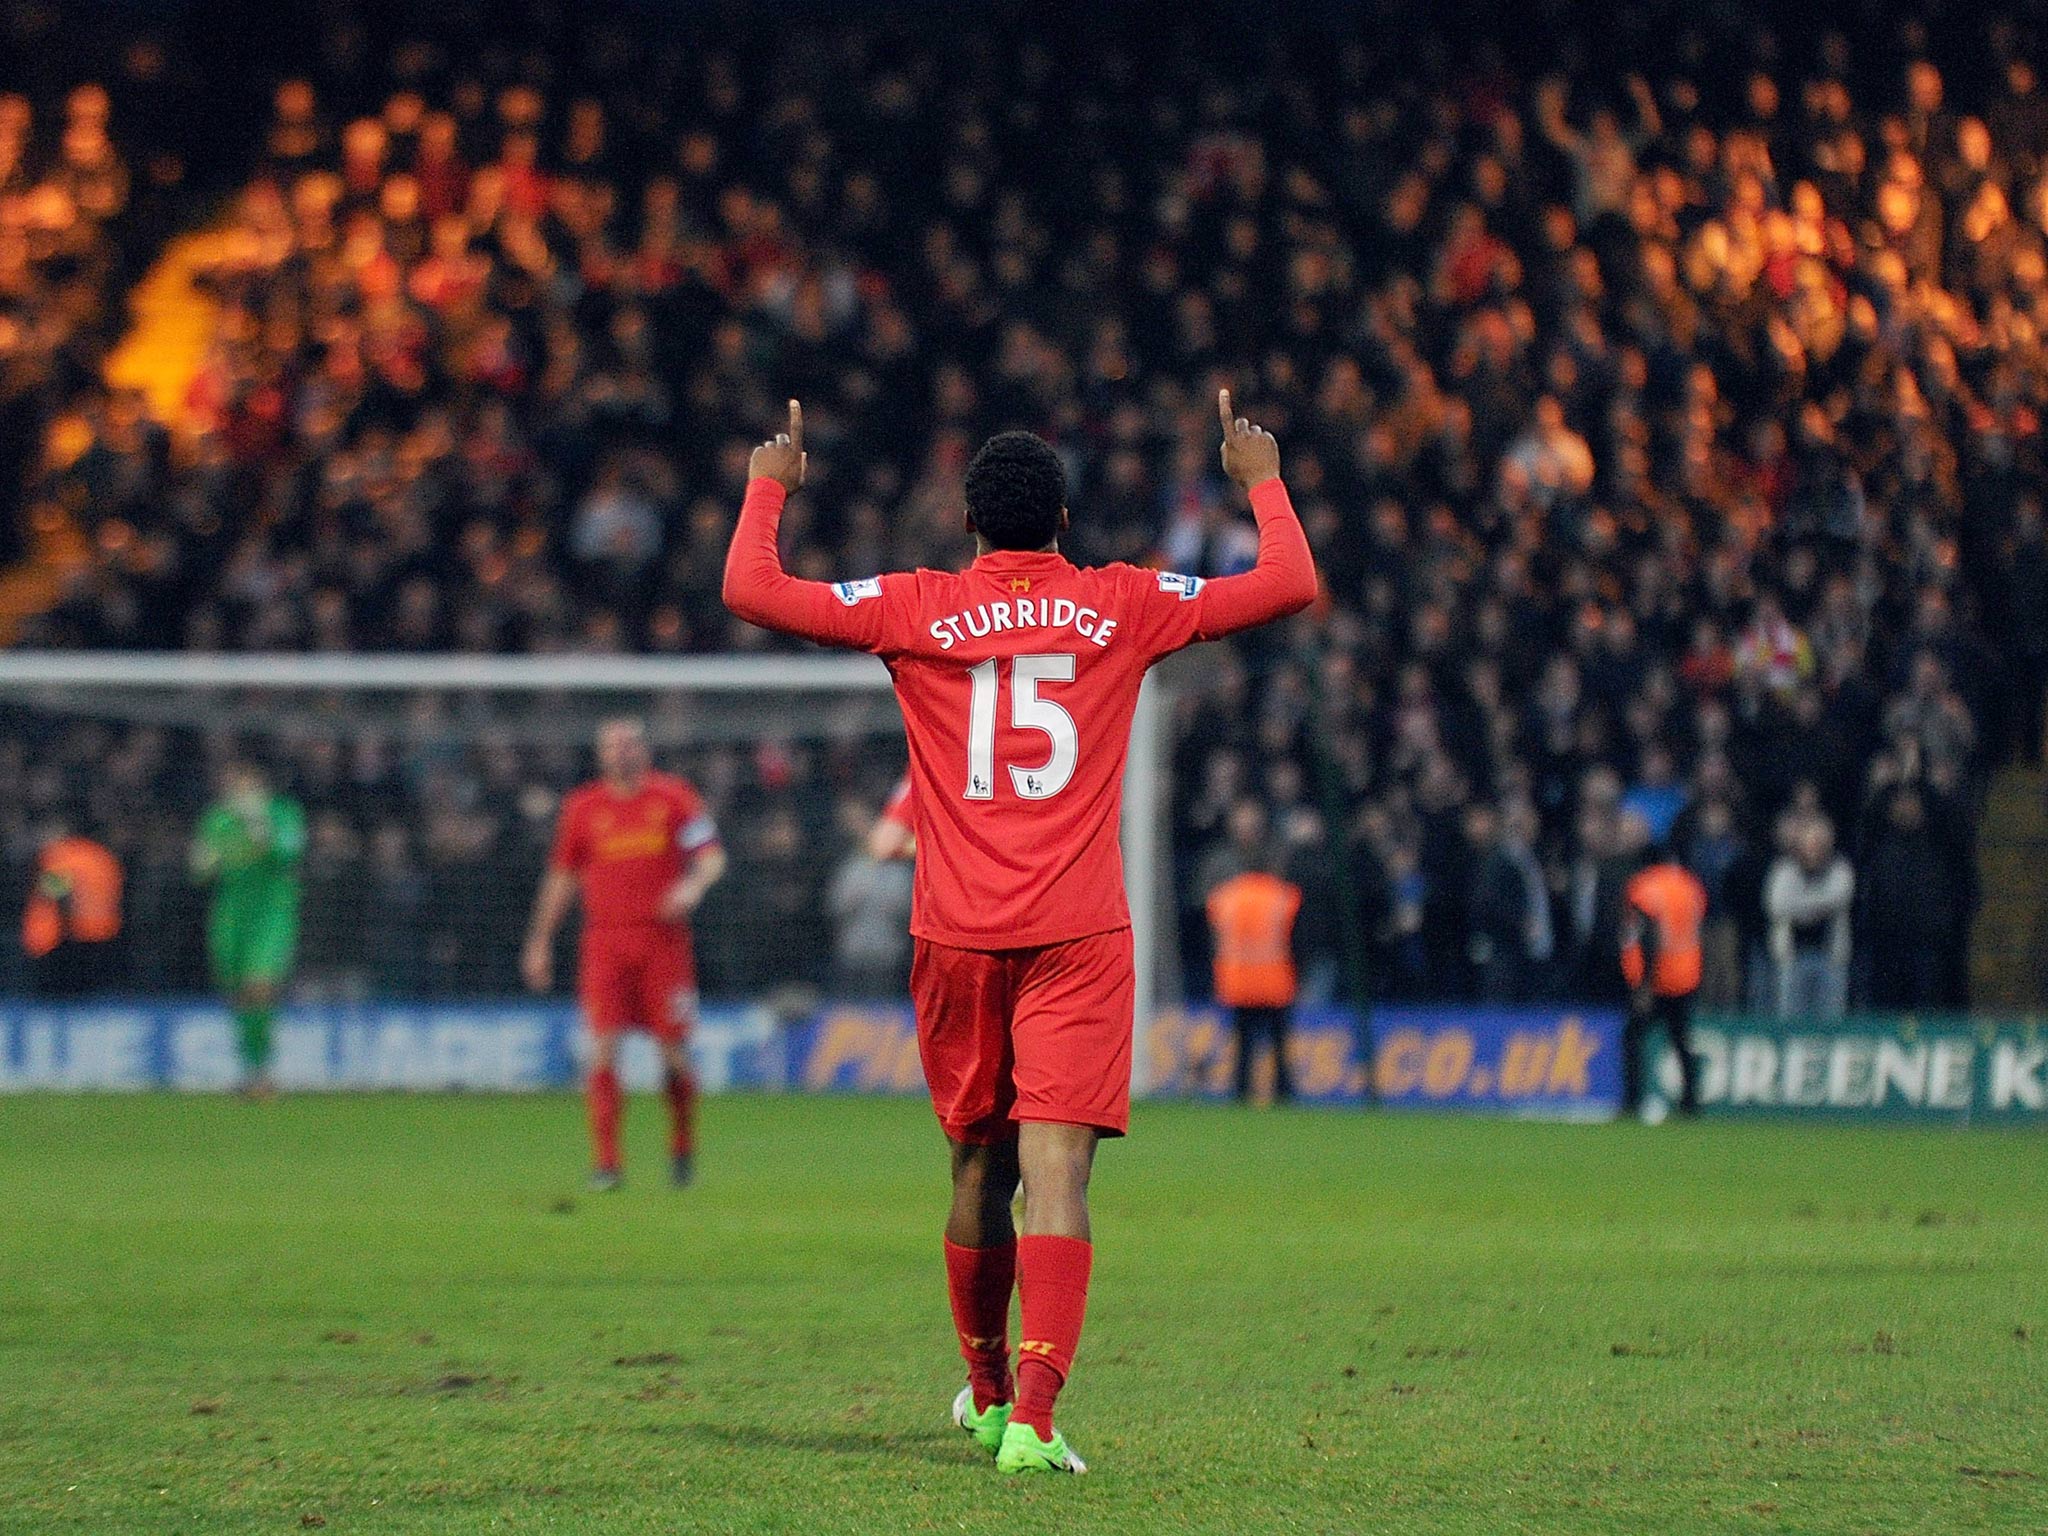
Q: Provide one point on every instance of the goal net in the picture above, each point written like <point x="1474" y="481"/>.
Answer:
<point x="430" y="787"/>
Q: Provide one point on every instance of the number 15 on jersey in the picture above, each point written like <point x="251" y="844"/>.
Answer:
<point x="1028" y="712"/>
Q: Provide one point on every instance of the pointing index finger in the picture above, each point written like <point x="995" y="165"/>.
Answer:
<point x="1223" y="409"/>
<point x="796" y="425"/>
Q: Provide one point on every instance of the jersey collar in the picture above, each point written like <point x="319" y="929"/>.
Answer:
<point x="1007" y="562"/>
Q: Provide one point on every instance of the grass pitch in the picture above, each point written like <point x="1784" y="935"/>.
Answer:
<point x="403" y="1315"/>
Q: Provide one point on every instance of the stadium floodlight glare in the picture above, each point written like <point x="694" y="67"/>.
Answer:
<point x="547" y="706"/>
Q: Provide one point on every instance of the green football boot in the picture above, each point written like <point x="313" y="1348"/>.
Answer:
<point x="987" y="1426"/>
<point x="1023" y="1451"/>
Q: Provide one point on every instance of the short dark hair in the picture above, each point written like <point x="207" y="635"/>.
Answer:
<point x="1016" y="490"/>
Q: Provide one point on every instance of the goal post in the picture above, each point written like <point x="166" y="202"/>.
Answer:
<point x="430" y="783"/>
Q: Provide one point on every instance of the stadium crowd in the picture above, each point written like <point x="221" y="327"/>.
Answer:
<point x="63" y="186"/>
<point x="1672" y="461"/>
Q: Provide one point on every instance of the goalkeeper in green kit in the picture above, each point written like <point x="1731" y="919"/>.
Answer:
<point x="248" y="849"/>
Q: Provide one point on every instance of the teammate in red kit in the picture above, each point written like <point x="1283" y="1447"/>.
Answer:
<point x="642" y="850"/>
<point x="1018" y="679"/>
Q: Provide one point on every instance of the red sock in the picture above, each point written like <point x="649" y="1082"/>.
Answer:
<point x="1052" y="1275"/>
<point x="979" y="1281"/>
<point x="681" y="1089"/>
<point x="601" y="1095"/>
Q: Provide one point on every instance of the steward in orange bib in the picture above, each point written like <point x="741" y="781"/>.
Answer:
<point x="1663" y="910"/>
<point x="73" y="916"/>
<point x="1251" y="919"/>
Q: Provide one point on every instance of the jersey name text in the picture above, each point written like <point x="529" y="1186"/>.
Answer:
<point x="986" y="619"/>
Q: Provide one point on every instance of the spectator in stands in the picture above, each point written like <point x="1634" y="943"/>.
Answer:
<point x="1603" y="158"/>
<point x="395" y="913"/>
<point x="1658" y="795"/>
<point x="1318" y="940"/>
<point x="869" y="900"/>
<point x="2026" y="600"/>
<point x="779" y="890"/>
<point x="1932" y="716"/>
<point x="1406" y="959"/>
<point x="1714" y="850"/>
<point x="1807" y="900"/>
<point x="617" y="531"/>
<point x="1942" y="803"/>
<point x="1910" y="906"/>
<point x="1610" y="845"/>
<point x="1549" y="462"/>
<point x="1772" y="652"/>
<point x="1246" y="846"/>
<point x="1509" y="912"/>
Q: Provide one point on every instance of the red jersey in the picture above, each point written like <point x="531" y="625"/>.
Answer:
<point x="628" y="850"/>
<point x="1018" y="678"/>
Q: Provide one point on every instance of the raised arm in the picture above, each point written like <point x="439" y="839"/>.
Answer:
<point x="759" y="590"/>
<point x="1649" y="121"/>
<point x="1283" y="580"/>
<point x="1550" y="118"/>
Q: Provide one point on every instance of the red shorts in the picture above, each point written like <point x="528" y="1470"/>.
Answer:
<point x="1026" y="1034"/>
<point x="641" y="978"/>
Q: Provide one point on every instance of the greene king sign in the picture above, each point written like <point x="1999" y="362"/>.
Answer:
<point x="1945" y="1068"/>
